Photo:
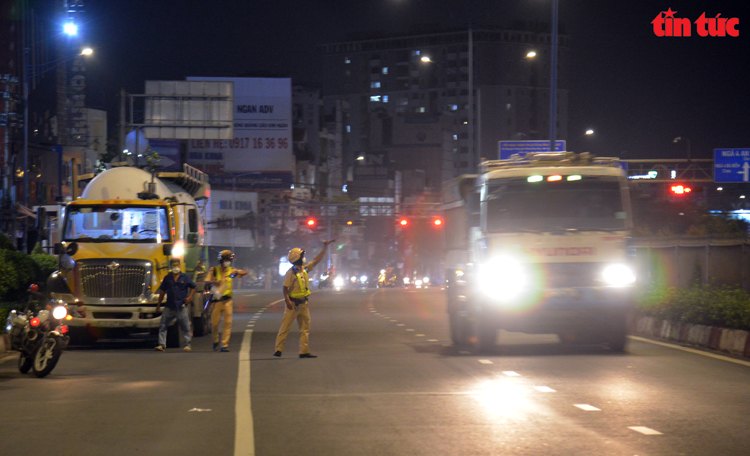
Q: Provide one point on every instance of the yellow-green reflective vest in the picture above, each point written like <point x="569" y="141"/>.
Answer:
<point x="304" y="290"/>
<point x="217" y="275"/>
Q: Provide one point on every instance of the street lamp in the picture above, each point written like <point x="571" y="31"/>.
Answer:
<point x="687" y="140"/>
<point x="30" y="72"/>
<point x="589" y="132"/>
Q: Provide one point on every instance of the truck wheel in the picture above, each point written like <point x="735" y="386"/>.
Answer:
<point x="617" y="337"/>
<point x="487" y="337"/>
<point x="460" y="329"/>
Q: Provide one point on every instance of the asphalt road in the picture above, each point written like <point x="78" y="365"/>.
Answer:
<point x="386" y="382"/>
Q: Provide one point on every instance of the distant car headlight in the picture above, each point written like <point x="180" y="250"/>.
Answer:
<point x="406" y="281"/>
<point x="426" y="280"/>
<point x="618" y="275"/>
<point x="338" y="282"/>
<point x="418" y="283"/>
<point x="363" y="279"/>
<point x="59" y="312"/>
<point x="503" y="278"/>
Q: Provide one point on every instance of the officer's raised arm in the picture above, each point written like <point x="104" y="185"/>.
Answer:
<point x="318" y="258"/>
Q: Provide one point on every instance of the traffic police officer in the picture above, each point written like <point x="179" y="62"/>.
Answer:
<point x="221" y="277"/>
<point x="296" y="291"/>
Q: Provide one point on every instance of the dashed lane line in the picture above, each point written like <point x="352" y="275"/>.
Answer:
<point x="511" y="373"/>
<point x="587" y="407"/>
<point x="486" y="361"/>
<point x="544" y="389"/>
<point x="645" y="430"/>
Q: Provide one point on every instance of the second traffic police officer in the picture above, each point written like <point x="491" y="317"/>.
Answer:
<point x="296" y="291"/>
<point x="221" y="277"/>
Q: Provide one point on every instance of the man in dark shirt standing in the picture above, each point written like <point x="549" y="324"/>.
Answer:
<point x="176" y="286"/>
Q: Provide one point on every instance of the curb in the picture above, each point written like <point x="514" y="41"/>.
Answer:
<point x="733" y="341"/>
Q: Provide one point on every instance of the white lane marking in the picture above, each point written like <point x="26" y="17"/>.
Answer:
<point x="486" y="361"/>
<point x="587" y="407"/>
<point x="400" y="324"/>
<point x="544" y="389"/>
<point x="644" y="430"/>
<point x="691" y="350"/>
<point x="511" y="373"/>
<point x="394" y="321"/>
<point x="244" y="437"/>
<point x="410" y="330"/>
<point x="195" y="409"/>
<point x="419" y="335"/>
<point x="432" y="340"/>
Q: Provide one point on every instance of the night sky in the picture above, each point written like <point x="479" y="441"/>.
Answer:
<point x="636" y="90"/>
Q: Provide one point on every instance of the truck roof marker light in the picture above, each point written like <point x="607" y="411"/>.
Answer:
<point x="535" y="178"/>
<point x="554" y="178"/>
<point x="574" y="177"/>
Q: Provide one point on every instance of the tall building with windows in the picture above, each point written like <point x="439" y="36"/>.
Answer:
<point x="409" y="98"/>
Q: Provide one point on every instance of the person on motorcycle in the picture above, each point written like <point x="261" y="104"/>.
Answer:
<point x="296" y="290"/>
<point x="221" y="277"/>
<point x="175" y="285"/>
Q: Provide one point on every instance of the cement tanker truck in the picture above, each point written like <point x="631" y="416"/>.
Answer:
<point x="116" y="243"/>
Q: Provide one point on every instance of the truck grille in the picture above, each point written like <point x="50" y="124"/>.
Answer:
<point x="103" y="281"/>
<point x="571" y="275"/>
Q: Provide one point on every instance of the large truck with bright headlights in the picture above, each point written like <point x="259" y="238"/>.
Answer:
<point x="116" y="241"/>
<point x="538" y="244"/>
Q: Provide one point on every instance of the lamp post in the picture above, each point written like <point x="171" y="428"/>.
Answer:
<point x="29" y="74"/>
<point x="687" y="140"/>
<point x="553" y="79"/>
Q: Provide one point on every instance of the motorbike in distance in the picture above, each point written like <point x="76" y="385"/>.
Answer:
<point x="38" y="333"/>
<point x="385" y="280"/>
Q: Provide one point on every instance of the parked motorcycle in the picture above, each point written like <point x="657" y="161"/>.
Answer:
<point x="38" y="333"/>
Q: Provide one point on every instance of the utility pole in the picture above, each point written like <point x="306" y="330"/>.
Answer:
<point x="553" y="79"/>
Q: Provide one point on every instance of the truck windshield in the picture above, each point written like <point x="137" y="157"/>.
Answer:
<point x="100" y="223"/>
<point x="582" y="203"/>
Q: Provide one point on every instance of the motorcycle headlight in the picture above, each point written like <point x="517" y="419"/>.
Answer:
<point x="338" y="282"/>
<point x="618" y="275"/>
<point x="59" y="312"/>
<point x="503" y="278"/>
<point x="363" y="279"/>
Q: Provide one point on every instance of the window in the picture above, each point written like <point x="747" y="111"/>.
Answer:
<point x="375" y="84"/>
<point x="348" y="128"/>
<point x="415" y="52"/>
<point x="193" y="220"/>
<point x="453" y="107"/>
<point x="375" y="98"/>
<point x="507" y="107"/>
<point x="455" y="138"/>
<point x="385" y="98"/>
<point x="385" y="70"/>
<point x="420" y="109"/>
<point x="347" y="60"/>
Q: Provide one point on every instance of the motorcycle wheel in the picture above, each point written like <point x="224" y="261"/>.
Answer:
<point x="46" y="357"/>
<point x="24" y="363"/>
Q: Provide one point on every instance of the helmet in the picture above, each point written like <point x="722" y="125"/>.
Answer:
<point x="226" y="255"/>
<point x="295" y="254"/>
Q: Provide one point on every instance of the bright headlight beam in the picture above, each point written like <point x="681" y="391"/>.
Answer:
<point x="59" y="312"/>
<point x="618" y="275"/>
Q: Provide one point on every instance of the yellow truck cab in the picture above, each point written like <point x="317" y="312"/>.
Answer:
<point x="538" y="244"/>
<point x="116" y="243"/>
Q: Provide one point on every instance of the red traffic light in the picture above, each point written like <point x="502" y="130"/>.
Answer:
<point x="438" y="222"/>
<point x="349" y="222"/>
<point x="681" y="189"/>
<point x="403" y="222"/>
<point x="311" y="223"/>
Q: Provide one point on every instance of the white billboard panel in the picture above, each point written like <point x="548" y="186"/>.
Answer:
<point x="262" y="139"/>
<point x="188" y="110"/>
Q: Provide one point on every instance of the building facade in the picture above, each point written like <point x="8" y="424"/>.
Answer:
<point x="410" y="98"/>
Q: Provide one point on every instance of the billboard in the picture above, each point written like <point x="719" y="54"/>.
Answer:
<point x="505" y="149"/>
<point x="262" y="141"/>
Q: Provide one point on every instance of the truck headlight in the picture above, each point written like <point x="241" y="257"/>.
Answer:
<point x="503" y="278"/>
<point x="618" y="275"/>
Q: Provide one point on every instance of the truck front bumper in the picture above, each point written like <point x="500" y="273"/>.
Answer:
<point x="142" y="315"/>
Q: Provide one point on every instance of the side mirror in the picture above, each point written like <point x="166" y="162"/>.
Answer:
<point x="192" y="238"/>
<point x="167" y="249"/>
